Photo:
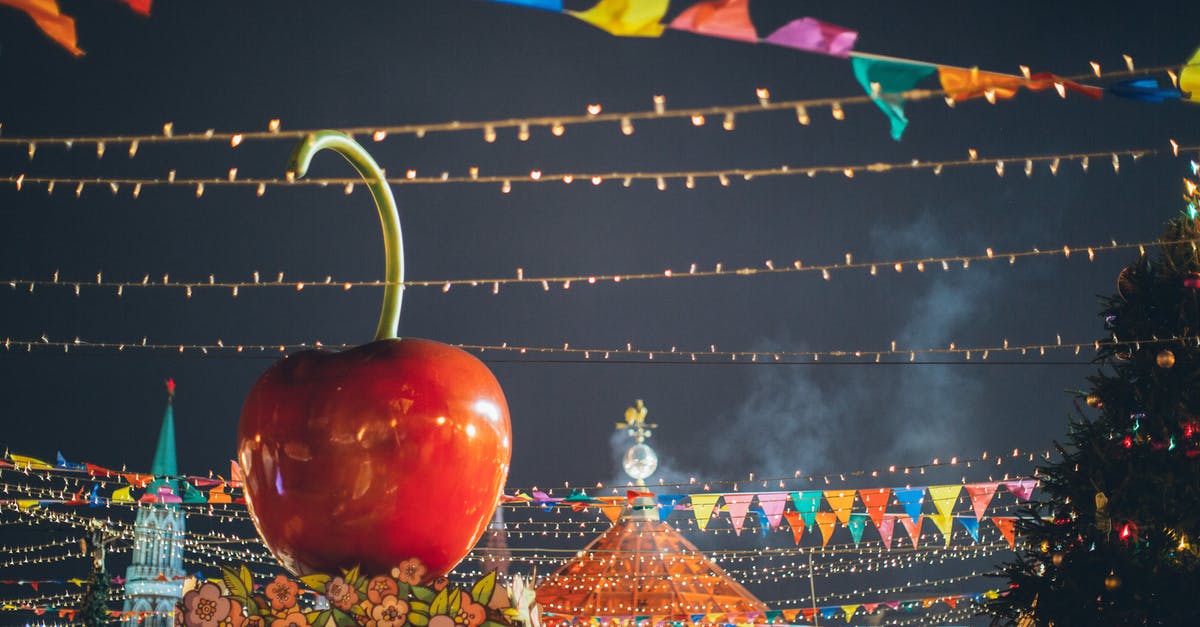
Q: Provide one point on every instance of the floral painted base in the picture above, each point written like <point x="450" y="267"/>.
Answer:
<point x="353" y="600"/>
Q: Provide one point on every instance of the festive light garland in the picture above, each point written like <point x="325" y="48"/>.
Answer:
<point x="566" y="281"/>
<point x="722" y="176"/>
<point x="555" y="123"/>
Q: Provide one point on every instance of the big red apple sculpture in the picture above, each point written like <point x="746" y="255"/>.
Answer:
<point x="393" y="450"/>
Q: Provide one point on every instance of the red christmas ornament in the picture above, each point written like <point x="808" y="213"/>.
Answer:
<point x="393" y="450"/>
<point x="1192" y="280"/>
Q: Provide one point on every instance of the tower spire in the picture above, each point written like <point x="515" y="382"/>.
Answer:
<point x="164" y="453"/>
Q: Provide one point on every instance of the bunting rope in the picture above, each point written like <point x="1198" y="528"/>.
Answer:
<point x="555" y="123"/>
<point x="566" y="281"/>
<point x="661" y="178"/>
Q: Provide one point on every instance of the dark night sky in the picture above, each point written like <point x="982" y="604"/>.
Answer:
<point x="235" y="65"/>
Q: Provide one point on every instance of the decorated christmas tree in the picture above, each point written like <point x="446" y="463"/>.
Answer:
<point x="93" y="609"/>
<point x="1114" y="539"/>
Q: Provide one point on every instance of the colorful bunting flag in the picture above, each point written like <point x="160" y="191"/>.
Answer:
<point x="826" y="522"/>
<point x="796" y="525"/>
<point x="772" y="504"/>
<point x="702" y="508"/>
<point x="738" y="505"/>
<point x="850" y="610"/>
<point x="545" y="5"/>
<point x="886" y="526"/>
<point x="885" y="81"/>
<point x="963" y="84"/>
<point x="1189" y="77"/>
<point x="971" y="525"/>
<point x="46" y="15"/>
<point x="911" y="499"/>
<point x="1022" y="489"/>
<point x="612" y="512"/>
<point x="913" y="527"/>
<point x="1007" y="529"/>
<point x="981" y="496"/>
<point x="1145" y="90"/>
<point x="807" y="503"/>
<point x="24" y="461"/>
<point x="122" y="495"/>
<point x="728" y="19"/>
<point x="944" y="497"/>
<point x="841" y="502"/>
<point x="139" y="6"/>
<point x="813" y="35"/>
<point x="626" y="18"/>
<point x="876" y="501"/>
<point x="667" y="503"/>
<point x="856" y="525"/>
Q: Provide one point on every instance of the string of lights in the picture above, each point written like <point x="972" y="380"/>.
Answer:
<point x="557" y="124"/>
<point x="199" y="185"/>
<point x="769" y="267"/>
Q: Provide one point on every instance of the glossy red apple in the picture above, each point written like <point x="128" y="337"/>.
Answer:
<point x="393" y="450"/>
<point x="371" y="456"/>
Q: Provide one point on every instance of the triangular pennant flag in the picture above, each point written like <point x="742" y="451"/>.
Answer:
<point x="826" y="521"/>
<point x="764" y="525"/>
<point x="728" y="19"/>
<point x="633" y="495"/>
<point x="1022" y="489"/>
<point x="1046" y="80"/>
<point x="886" y="527"/>
<point x="850" y="610"/>
<point x="885" y="81"/>
<point x="626" y="18"/>
<point x="796" y="524"/>
<point x="139" y="6"/>
<point x="963" y="84"/>
<point x="1189" y="77"/>
<point x="911" y="499"/>
<point x="951" y="601"/>
<point x="808" y="613"/>
<point x="876" y="501"/>
<point x="612" y="512"/>
<point x="122" y="495"/>
<point x="738" y="503"/>
<point x="813" y="35"/>
<point x="841" y="502"/>
<point x="702" y="508"/>
<point x="829" y="612"/>
<point x="790" y="615"/>
<point x="667" y="503"/>
<point x="1007" y="529"/>
<point x="856" y="525"/>
<point x="971" y="525"/>
<point x="869" y="608"/>
<point x="772" y="504"/>
<point x="981" y="496"/>
<point x="944" y="524"/>
<point x="46" y="15"/>
<point x="1145" y="90"/>
<point x="32" y="463"/>
<point x="944" y="497"/>
<point x="913" y="527"/>
<point x="218" y="495"/>
<point x="807" y="503"/>
<point x="545" y="5"/>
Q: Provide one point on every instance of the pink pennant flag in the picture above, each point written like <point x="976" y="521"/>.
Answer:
<point x="772" y="504"/>
<point x="814" y="36"/>
<point x="981" y="496"/>
<point x="738" y="505"/>
<point x="886" y="526"/>
<point x="728" y="19"/>
<point x="1022" y="489"/>
<point x="913" y="528"/>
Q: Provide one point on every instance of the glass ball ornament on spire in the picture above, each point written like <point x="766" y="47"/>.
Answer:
<point x="640" y="461"/>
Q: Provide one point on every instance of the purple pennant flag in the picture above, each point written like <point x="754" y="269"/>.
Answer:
<point x="813" y="35"/>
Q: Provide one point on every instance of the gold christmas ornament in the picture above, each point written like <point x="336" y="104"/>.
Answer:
<point x="1112" y="581"/>
<point x="1165" y="358"/>
<point x="1057" y="559"/>
<point x="1045" y="546"/>
<point x="1094" y="401"/>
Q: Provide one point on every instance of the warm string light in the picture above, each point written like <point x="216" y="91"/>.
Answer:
<point x="662" y="179"/>
<point x="593" y="115"/>
<point x="945" y="263"/>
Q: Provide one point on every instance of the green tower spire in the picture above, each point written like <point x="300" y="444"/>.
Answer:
<point x="164" y="454"/>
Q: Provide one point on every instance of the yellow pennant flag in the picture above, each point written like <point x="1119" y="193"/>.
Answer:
<point x="702" y="507"/>
<point x="841" y="501"/>
<point x="1189" y="77"/>
<point x="944" y="497"/>
<point x="24" y="461"/>
<point x="626" y="18"/>
<point x="122" y="495"/>
<point x="944" y="523"/>
<point x="849" y="610"/>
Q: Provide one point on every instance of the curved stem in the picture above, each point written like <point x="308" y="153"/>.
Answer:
<point x="393" y="244"/>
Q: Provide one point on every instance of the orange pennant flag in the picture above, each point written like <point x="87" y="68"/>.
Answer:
<point x="913" y="528"/>
<point x="797" y="525"/>
<point x="841" y="501"/>
<point x="826" y="522"/>
<point x="963" y="84"/>
<point x="728" y="19"/>
<point x="612" y="512"/>
<point x="218" y="495"/>
<point x="876" y="501"/>
<point x="1007" y="529"/>
<point x="45" y="14"/>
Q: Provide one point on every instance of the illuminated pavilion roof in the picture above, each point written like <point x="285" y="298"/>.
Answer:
<point x="642" y="567"/>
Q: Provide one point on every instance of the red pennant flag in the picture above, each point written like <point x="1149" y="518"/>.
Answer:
<point x="951" y="601"/>
<point x="98" y="471"/>
<point x="913" y="528"/>
<point x="1007" y="529"/>
<point x="139" y="6"/>
<point x="869" y="607"/>
<point x="981" y="496"/>
<point x="728" y="19"/>
<point x="876" y="501"/>
<point x="808" y="613"/>
<point x="797" y="525"/>
<point x="631" y="495"/>
<point x="46" y="15"/>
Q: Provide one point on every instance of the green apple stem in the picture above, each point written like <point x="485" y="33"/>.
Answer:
<point x="393" y="244"/>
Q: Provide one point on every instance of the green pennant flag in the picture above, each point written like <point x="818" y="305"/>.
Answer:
<point x="885" y="80"/>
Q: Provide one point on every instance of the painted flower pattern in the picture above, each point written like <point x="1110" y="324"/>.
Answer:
<point x="295" y="619"/>
<point x="204" y="606"/>
<point x="340" y="594"/>
<point x="470" y="613"/>
<point x="411" y="571"/>
<point x="389" y="612"/>
<point x="282" y="593"/>
<point x="237" y="615"/>
<point x="380" y="588"/>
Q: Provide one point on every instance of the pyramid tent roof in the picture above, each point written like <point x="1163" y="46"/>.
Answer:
<point x="642" y="567"/>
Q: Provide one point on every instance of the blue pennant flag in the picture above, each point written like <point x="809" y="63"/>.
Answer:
<point x="911" y="499"/>
<point x="1145" y="90"/>
<point x="667" y="503"/>
<point x="971" y="524"/>
<point x="545" y="5"/>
